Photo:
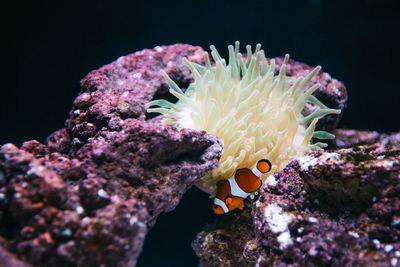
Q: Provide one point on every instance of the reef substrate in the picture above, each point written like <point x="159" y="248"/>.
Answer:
<point x="339" y="207"/>
<point x="89" y="194"/>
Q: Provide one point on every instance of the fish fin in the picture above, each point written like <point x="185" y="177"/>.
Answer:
<point x="241" y="206"/>
<point x="228" y="200"/>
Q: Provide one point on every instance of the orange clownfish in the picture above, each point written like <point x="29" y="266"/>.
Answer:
<point x="232" y="192"/>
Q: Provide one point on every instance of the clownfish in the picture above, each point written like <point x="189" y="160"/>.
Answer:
<point x="232" y="192"/>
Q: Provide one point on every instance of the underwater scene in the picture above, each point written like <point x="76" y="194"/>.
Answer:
<point x="210" y="133"/>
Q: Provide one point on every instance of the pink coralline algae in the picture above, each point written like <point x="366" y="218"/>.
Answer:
<point x="88" y="196"/>
<point x="338" y="207"/>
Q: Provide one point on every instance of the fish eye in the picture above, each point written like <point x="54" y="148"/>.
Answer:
<point x="264" y="165"/>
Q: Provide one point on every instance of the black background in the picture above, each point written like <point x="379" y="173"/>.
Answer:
<point x="50" y="46"/>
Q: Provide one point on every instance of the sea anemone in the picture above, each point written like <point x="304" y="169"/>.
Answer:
<point x="256" y="113"/>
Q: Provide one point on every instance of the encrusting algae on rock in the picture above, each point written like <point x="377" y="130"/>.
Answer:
<point x="256" y="113"/>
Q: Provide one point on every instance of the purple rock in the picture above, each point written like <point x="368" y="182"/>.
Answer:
<point x="89" y="195"/>
<point x="339" y="207"/>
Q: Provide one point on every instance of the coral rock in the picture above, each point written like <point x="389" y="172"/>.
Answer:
<point x="89" y="195"/>
<point x="339" y="207"/>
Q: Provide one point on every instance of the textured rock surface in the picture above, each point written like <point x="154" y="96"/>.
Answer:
<point x="338" y="207"/>
<point x="90" y="193"/>
<point x="121" y="89"/>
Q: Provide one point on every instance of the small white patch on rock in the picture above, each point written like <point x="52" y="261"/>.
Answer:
<point x="336" y="90"/>
<point x="397" y="253"/>
<point x="133" y="220"/>
<point x="279" y="221"/>
<point x="313" y="220"/>
<point x="67" y="232"/>
<point x="101" y="193"/>
<point x="313" y="251"/>
<point x="271" y="181"/>
<point x="388" y="248"/>
<point x="284" y="240"/>
<point x="380" y="157"/>
<point x="330" y="156"/>
<point x="393" y="262"/>
<point x="377" y="243"/>
<point x="307" y="161"/>
<point x="79" y="210"/>
<point x="354" y="234"/>
<point x="37" y="170"/>
<point x="217" y="149"/>
<point x="158" y="49"/>
<point x="387" y="164"/>
<point x="137" y="75"/>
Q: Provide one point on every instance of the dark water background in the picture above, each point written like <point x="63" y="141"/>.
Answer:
<point x="51" y="45"/>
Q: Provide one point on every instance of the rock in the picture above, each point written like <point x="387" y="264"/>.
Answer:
<point x="89" y="195"/>
<point x="8" y="259"/>
<point x="121" y="89"/>
<point x="338" y="207"/>
<point x="348" y="138"/>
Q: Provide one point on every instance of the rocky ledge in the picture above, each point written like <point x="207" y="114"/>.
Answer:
<point x="88" y="196"/>
<point x="339" y="207"/>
